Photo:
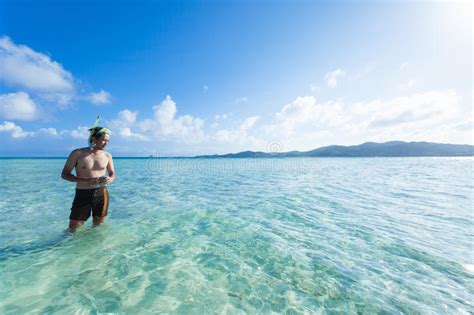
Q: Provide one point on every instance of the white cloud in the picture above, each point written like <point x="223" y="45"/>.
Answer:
<point x="52" y="132"/>
<point x="333" y="76"/>
<point x="123" y="123"/>
<point x="417" y="110"/>
<point x="403" y="66"/>
<point x="222" y="116"/>
<point x="299" y="112"/>
<point x="313" y="87"/>
<point x="429" y="116"/>
<point x="18" y="106"/>
<point x="39" y="75"/>
<point x="248" y="123"/>
<point x="166" y="125"/>
<point x="127" y="117"/>
<point x="407" y="85"/>
<point x="239" y="136"/>
<point x="205" y="88"/>
<point x="14" y="130"/>
<point x="219" y="119"/>
<point x="81" y="132"/>
<point x="63" y="99"/>
<point x="242" y="99"/>
<point x="100" y="98"/>
<point x="302" y="124"/>
<point x="20" y="66"/>
<point x="127" y="133"/>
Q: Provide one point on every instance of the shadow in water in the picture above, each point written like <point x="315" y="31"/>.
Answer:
<point x="35" y="246"/>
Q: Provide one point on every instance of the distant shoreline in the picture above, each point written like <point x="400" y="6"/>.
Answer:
<point x="367" y="149"/>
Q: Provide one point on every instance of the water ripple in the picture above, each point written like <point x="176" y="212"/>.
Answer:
<point x="290" y="236"/>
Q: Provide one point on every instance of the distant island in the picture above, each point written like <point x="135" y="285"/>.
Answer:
<point x="368" y="149"/>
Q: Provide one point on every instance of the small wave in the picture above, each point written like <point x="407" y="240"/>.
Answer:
<point x="469" y="267"/>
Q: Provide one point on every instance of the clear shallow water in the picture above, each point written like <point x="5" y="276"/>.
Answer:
<point x="250" y="236"/>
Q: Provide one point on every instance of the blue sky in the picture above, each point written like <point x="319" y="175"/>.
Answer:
<point x="186" y="78"/>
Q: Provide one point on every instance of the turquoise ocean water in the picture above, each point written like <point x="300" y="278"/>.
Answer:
<point x="235" y="236"/>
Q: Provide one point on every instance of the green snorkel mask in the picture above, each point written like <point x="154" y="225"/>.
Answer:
<point x="97" y="132"/>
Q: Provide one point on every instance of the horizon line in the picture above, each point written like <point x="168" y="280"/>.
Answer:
<point x="215" y="155"/>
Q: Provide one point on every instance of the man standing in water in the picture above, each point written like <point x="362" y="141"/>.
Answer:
<point x="91" y="181"/>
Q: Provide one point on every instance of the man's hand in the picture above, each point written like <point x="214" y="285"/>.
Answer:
<point x="92" y="181"/>
<point x="105" y="180"/>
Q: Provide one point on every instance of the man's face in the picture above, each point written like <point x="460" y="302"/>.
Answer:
<point x="101" y="142"/>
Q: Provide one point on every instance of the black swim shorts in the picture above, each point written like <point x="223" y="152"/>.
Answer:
<point x="89" y="200"/>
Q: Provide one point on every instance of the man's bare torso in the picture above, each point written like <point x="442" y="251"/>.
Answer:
<point x="91" y="164"/>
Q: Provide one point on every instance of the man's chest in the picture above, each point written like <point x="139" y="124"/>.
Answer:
<point x="92" y="162"/>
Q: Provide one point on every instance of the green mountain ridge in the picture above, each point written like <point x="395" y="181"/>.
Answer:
<point x="367" y="149"/>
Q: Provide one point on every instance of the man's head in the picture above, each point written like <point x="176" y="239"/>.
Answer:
<point x="99" y="137"/>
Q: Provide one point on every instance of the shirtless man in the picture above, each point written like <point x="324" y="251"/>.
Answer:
<point x="91" y="165"/>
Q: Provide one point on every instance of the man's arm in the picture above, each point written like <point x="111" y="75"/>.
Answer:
<point x="110" y="169"/>
<point x="69" y="166"/>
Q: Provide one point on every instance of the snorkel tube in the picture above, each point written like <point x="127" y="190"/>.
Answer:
<point x="97" y="132"/>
